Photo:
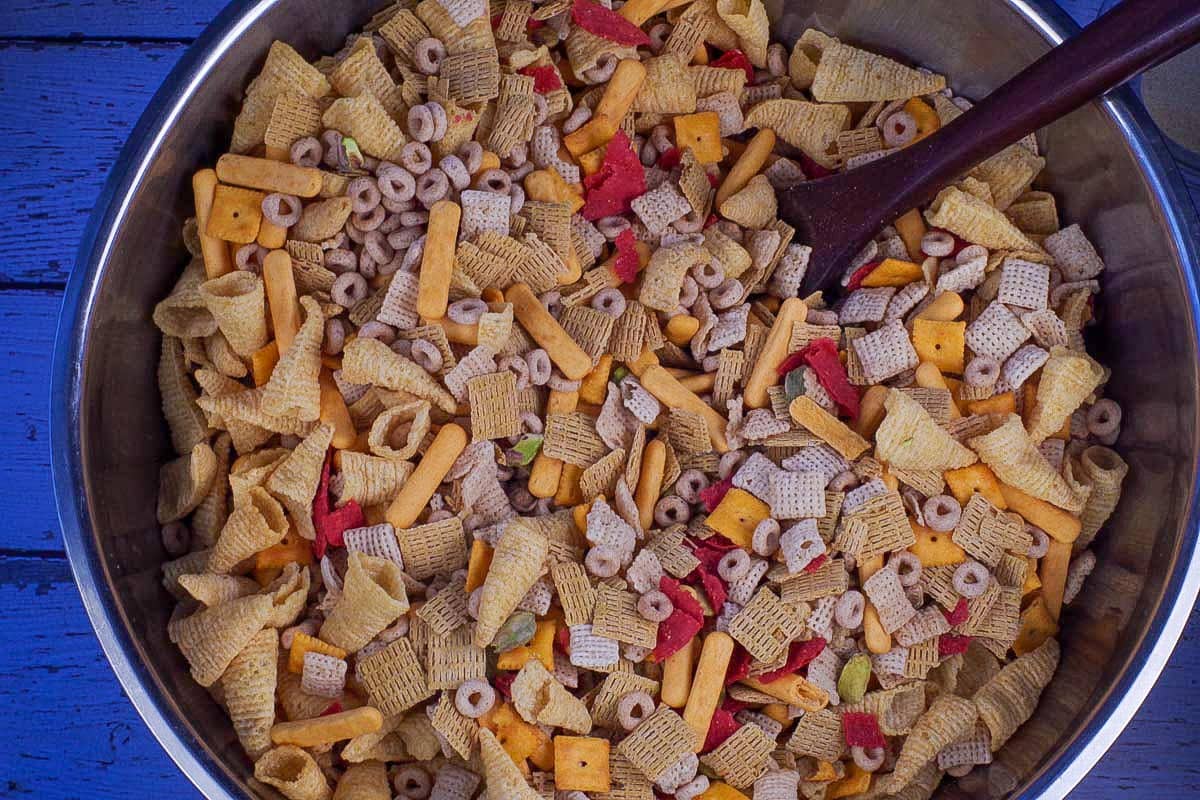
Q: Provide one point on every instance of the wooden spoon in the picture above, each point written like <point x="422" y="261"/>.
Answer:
<point x="839" y="215"/>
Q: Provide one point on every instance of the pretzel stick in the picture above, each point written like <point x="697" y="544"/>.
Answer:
<point x="545" y="330"/>
<point x="671" y="393"/>
<point x="334" y="411"/>
<point x="328" y="729"/>
<point x="416" y="492"/>
<point x="437" y="261"/>
<point x="280" y="283"/>
<point x="1054" y="576"/>
<point x="214" y="251"/>
<point x="654" y="464"/>
<point x="546" y="471"/>
<point x="677" y="674"/>
<point x="878" y="640"/>
<point x="269" y="176"/>
<point x="707" y="684"/>
<point x="774" y="351"/>
<point x="749" y="163"/>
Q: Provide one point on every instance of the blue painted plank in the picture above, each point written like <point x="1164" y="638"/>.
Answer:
<point x="62" y="131"/>
<point x="108" y="19"/>
<point x="27" y="323"/>
<point x="69" y="730"/>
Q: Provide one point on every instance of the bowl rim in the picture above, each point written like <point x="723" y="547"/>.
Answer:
<point x="192" y="755"/>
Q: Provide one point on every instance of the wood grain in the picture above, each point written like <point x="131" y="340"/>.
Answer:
<point x="61" y="133"/>
<point x="70" y="732"/>
<point x="107" y="19"/>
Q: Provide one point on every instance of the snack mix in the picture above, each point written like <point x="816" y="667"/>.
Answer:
<point x="511" y="465"/>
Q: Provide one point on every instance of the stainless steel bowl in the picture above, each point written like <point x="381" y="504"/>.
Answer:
<point x="1107" y="166"/>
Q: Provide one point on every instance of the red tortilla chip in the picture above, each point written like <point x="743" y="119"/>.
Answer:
<point x="723" y="725"/>
<point x="736" y="59"/>
<point x="861" y="274"/>
<point x="670" y="159"/>
<point x="862" y="730"/>
<point x="504" y="681"/>
<point x="949" y="644"/>
<point x="713" y="495"/>
<point x="627" y="262"/>
<point x="620" y="180"/>
<point x="331" y="525"/>
<point x="822" y="356"/>
<point x="684" y="623"/>
<point x="739" y="665"/>
<point x="600" y="21"/>
<point x="816" y="563"/>
<point x="799" y="654"/>
<point x="545" y="79"/>
<point x="812" y="169"/>
<point x="960" y="613"/>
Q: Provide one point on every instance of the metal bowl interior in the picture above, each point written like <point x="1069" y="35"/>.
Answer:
<point x="1106" y="166"/>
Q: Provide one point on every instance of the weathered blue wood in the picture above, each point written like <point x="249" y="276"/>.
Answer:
<point x="69" y="730"/>
<point x="67" y="110"/>
<point x="27" y="323"/>
<point x="108" y="19"/>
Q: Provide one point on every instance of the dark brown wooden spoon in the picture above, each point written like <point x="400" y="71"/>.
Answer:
<point x="840" y="214"/>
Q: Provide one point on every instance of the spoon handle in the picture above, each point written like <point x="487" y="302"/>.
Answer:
<point x="1133" y="36"/>
<point x="840" y="214"/>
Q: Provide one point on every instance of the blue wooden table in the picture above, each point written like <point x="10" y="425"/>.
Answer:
<point x="74" y="77"/>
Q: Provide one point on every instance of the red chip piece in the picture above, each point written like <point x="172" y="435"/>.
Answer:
<point x="670" y="159"/>
<point x="860" y="275"/>
<point x="562" y="640"/>
<point x="736" y="59"/>
<point x="812" y="169"/>
<point x="331" y="525"/>
<point x="600" y="21"/>
<point x="713" y="495"/>
<point x="723" y="725"/>
<point x="862" y="730"/>
<point x="713" y="587"/>
<point x="822" y="356"/>
<point x="789" y="364"/>
<point x="334" y="708"/>
<point x="503" y="683"/>
<point x="684" y="623"/>
<point x="960" y="613"/>
<point x="712" y="218"/>
<point x="620" y="179"/>
<point x="815" y="564"/>
<point x="626" y="263"/>
<point x="545" y="79"/>
<point x="739" y="665"/>
<point x="949" y="644"/>
<point x="799" y="654"/>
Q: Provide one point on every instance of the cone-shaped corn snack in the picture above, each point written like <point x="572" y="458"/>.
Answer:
<point x="184" y="482"/>
<point x="518" y="562"/>
<point x="185" y="419"/>
<point x="294" y="388"/>
<point x="237" y="302"/>
<point x="754" y="206"/>
<point x="372" y="361"/>
<point x="210" y="639"/>
<point x="1009" y="698"/>
<point x="909" y="438"/>
<point x="295" y="480"/>
<point x="372" y="598"/>
<point x="249" y="685"/>
<point x="949" y="719"/>
<point x="1068" y="377"/>
<point x="213" y="510"/>
<point x="253" y="526"/>
<point x="365" y="781"/>
<point x="1015" y="459"/>
<point x="503" y="777"/>
<point x="294" y="773"/>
